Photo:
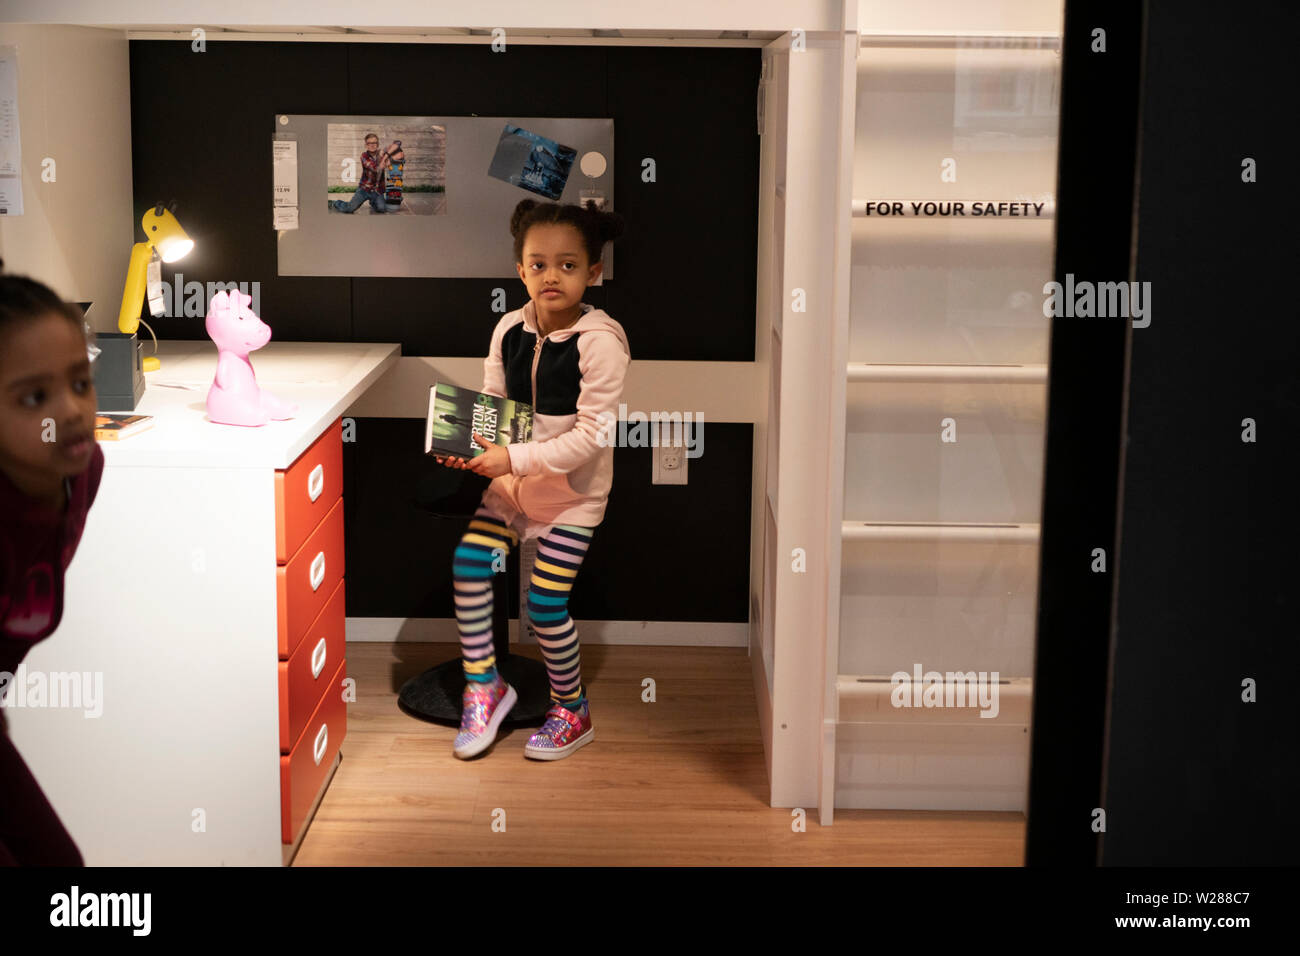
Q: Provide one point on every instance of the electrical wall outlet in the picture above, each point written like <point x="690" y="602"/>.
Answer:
<point x="669" y="460"/>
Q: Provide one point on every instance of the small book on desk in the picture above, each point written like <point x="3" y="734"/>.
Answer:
<point x="456" y="413"/>
<point x="114" y="426"/>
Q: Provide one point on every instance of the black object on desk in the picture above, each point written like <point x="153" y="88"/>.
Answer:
<point x="454" y="494"/>
<point x="119" y="372"/>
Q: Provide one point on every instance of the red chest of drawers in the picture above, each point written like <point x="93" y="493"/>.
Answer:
<point x="310" y="624"/>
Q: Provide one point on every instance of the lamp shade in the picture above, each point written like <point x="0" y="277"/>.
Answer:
<point x="174" y="248"/>
<point x="165" y="234"/>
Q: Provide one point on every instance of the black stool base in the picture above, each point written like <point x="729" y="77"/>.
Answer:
<point x="436" y="694"/>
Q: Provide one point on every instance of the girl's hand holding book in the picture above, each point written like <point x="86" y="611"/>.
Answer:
<point x="493" y="463"/>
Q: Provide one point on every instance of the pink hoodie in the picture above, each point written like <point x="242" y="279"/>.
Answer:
<point x="564" y="474"/>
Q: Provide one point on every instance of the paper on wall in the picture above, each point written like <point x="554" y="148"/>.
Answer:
<point x="11" y="164"/>
<point x="284" y="172"/>
<point x="284" y="155"/>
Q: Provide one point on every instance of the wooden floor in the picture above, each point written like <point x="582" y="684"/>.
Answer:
<point x="678" y="782"/>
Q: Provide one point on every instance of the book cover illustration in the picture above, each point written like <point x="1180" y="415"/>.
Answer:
<point x="456" y="413"/>
<point x="113" y="426"/>
<point x="532" y="162"/>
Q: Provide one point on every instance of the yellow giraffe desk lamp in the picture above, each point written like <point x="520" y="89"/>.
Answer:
<point x="165" y="238"/>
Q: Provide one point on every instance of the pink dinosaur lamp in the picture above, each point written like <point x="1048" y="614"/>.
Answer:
<point x="234" y="398"/>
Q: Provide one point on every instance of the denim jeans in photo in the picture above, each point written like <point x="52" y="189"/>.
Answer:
<point x="377" y="202"/>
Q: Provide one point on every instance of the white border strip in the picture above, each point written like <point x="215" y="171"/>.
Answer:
<point x="434" y="630"/>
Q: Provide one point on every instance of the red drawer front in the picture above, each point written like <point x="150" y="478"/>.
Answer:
<point x="304" y="770"/>
<point x="305" y="675"/>
<point x="304" y="584"/>
<point x="306" y="490"/>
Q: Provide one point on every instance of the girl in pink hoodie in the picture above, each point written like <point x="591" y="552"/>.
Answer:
<point x="567" y="360"/>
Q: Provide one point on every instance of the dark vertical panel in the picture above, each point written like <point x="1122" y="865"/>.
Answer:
<point x="1207" y="593"/>
<point x="1095" y="190"/>
<point x="688" y="267"/>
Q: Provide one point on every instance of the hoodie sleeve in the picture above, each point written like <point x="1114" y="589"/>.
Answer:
<point x="494" y="369"/>
<point x="603" y="364"/>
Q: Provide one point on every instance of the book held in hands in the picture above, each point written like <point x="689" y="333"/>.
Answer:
<point x="455" y="414"/>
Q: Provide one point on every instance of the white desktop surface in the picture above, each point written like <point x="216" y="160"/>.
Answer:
<point x="324" y="378"/>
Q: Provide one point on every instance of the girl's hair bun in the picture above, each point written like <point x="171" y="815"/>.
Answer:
<point x="609" y="225"/>
<point x="517" y="217"/>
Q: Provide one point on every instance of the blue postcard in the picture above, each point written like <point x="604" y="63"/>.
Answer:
<point x="532" y="162"/>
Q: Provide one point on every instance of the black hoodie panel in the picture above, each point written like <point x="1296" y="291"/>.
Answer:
<point x="559" y="379"/>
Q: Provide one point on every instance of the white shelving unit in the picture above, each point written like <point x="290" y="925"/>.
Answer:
<point x="839" y="550"/>
<point x="804" y="231"/>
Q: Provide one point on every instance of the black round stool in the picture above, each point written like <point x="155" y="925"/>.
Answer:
<point x="435" y="694"/>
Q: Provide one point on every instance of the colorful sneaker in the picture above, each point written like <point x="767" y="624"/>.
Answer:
<point x="563" y="733"/>
<point x="483" y="707"/>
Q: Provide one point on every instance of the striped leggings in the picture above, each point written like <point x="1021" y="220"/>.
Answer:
<point x="482" y="552"/>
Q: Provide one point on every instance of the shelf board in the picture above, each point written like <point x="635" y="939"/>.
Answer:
<point x="963" y="41"/>
<point x="973" y="532"/>
<point x="908" y="372"/>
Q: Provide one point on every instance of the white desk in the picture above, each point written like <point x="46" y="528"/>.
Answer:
<point x="173" y="598"/>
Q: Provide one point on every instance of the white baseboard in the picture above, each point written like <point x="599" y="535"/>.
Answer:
<point x="931" y="767"/>
<point x="436" y="630"/>
<point x="889" y="758"/>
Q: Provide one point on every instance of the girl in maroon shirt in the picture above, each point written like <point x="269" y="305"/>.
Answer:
<point x="50" y="467"/>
